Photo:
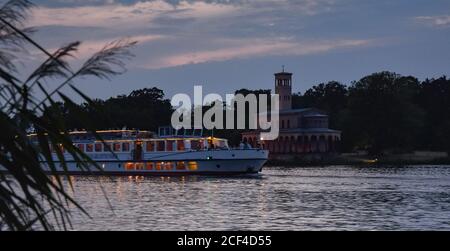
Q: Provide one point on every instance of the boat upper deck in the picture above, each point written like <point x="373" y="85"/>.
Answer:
<point x="124" y="141"/>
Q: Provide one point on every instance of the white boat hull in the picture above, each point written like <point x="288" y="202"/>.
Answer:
<point x="213" y="167"/>
<point x="212" y="162"/>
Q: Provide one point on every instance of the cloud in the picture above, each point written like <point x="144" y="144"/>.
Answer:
<point x="85" y="1"/>
<point x="119" y="16"/>
<point x="435" y="21"/>
<point x="88" y="47"/>
<point x="191" y="32"/>
<point x="252" y="48"/>
<point x="108" y="13"/>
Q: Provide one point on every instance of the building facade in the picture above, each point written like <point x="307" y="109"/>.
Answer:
<point x="302" y="131"/>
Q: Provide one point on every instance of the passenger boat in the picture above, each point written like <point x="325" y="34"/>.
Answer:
<point x="134" y="152"/>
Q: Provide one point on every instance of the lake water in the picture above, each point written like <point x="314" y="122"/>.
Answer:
<point x="308" y="198"/>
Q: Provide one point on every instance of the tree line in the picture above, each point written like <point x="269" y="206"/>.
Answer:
<point x="380" y="112"/>
<point x="386" y="112"/>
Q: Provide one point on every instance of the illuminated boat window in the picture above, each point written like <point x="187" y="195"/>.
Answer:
<point x="181" y="165"/>
<point x="220" y="143"/>
<point x="187" y="144"/>
<point x="81" y="147"/>
<point x="180" y="145"/>
<point x="129" y="166"/>
<point x="139" y="166"/>
<point x="168" y="165"/>
<point x="169" y="145"/>
<point x="202" y="144"/>
<point x="192" y="165"/>
<point x="116" y="147"/>
<point x="195" y="145"/>
<point x="158" y="165"/>
<point x="108" y="147"/>
<point x="89" y="147"/>
<point x="98" y="147"/>
<point x="125" y="146"/>
<point x="160" y="146"/>
<point x="149" y="146"/>
<point x="149" y="166"/>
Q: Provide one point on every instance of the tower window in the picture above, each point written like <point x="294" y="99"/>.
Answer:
<point x="282" y="123"/>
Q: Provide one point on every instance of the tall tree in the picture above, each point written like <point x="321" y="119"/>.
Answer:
<point x="144" y="109"/>
<point x="330" y="97"/>
<point x="434" y="98"/>
<point x="381" y="113"/>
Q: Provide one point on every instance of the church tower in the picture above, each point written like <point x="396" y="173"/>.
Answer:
<point x="283" y="87"/>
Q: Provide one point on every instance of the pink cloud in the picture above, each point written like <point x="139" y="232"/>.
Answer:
<point x="89" y="47"/>
<point x="120" y="16"/>
<point x="252" y="48"/>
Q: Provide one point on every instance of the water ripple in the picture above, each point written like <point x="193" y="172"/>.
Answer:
<point x="312" y="198"/>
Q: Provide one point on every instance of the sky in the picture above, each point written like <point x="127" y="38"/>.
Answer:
<point x="226" y="45"/>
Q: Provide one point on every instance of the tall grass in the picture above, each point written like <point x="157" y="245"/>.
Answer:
<point x="29" y="198"/>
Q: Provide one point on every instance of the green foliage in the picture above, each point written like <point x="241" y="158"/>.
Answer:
<point x="385" y="111"/>
<point x="382" y="113"/>
<point x="331" y="97"/>
<point x="434" y="98"/>
<point x="144" y="109"/>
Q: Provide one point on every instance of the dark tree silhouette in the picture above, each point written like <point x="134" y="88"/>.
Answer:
<point x="381" y="113"/>
<point x="434" y="98"/>
<point x="144" y="109"/>
<point x="330" y="97"/>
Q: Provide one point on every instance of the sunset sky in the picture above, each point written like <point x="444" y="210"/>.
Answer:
<point x="227" y="45"/>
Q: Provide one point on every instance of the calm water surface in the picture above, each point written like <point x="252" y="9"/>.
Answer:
<point x="309" y="198"/>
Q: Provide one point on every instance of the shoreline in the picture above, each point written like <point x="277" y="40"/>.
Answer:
<point x="301" y="162"/>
